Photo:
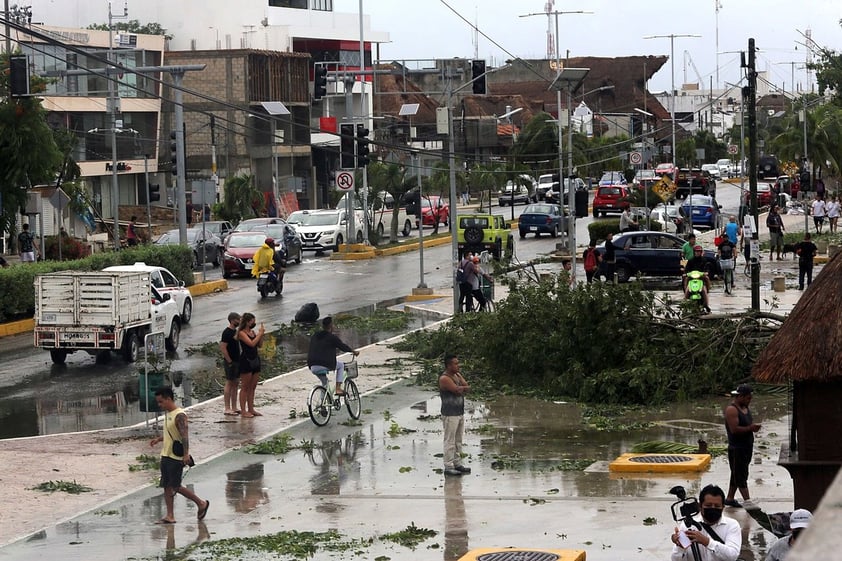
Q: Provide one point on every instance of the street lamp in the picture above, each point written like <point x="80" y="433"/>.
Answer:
<point x="408" y="110"/>
<point x="672" y="91"/>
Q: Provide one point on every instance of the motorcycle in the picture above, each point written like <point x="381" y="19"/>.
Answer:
<point x="273" y="281"/>
<point x="695" y="289"/>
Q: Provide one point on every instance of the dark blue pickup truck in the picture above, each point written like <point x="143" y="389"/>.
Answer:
<point x="541" y="218"/>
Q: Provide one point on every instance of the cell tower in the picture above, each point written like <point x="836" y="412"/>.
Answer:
<point x="810" y="46"/>
<point x="548" y="7"/>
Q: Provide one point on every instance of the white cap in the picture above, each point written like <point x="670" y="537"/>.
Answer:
<point x="800" y="519"/>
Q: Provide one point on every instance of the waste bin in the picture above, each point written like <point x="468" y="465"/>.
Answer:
<point x="581" y="204"/>
<point x="147" y="401"/>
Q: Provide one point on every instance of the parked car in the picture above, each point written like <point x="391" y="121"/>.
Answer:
<point x="165" y="283"/>
<point x="765" y="195"/>
<point x="514" y="194"/>
<point x="287" y="240"/>
<point x="322" y="230"/>
<point x="713" y="170"/>
<point x="767" y="167"/>
<point x="694" y="181"/>
<point x="652" y="254"/>
<point x="612" y="178"/>
<point x="434" y="209"/>
<point x="546" y="183"/>
<point x="206" y="246"/>
<point x="252" y="223"/>
<point x="667" y="168"/>
<point x="220" y="228"/>
<point x="702" y="210"/>
<point x="790" y="186"/>
<point x="240" y="247"/>
<point x="578" y="185"/>
<point x="485" y="232"/>
<point x="726" y="168"/>
<point x="541" y="218"/>
<point x="670" y="214"/>
<point x="610" y="199"/>
<point x="644" y="178"/>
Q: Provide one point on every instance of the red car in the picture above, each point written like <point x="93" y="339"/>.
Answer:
<point x="666" y="169"/>
<point x="765" y="194"/>
<point x="613" y="198"/>
<point x="240" y="248"/>
<point x="434" y="210"/>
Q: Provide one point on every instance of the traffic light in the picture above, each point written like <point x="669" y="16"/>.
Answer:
<point x="805" y="181"/>
<point x="174" y="152"/>
<point x="346" y="146"/>
<point x="362" y="147"/>
<point x="154" y="192"/>
<point x="478" y="76"/>
<point x="319" y="82"/>
<point x="18" y="75"/>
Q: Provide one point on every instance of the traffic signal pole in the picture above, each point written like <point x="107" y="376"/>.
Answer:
<point x="752" y="178"/>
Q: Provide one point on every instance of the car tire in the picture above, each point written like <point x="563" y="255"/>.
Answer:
<point x="339" y="241"/>
<point x="595" y="213"/>
<point x="196" y="263"/>
<point x="360" y="236"/>
<point x="473" y="234"/>
<point x="554" y="231"/>
<point x="624" y="273"/>
<point x="216" y="261"/>
<point x="510" y="247"/>
<point x="171" y="342"/>
<point x="226" y="275"/>
<point x="498" y="249"/>
<point x="407" y="229"/>
<point x="187" y="311"/>
<point x="522" y="233"/>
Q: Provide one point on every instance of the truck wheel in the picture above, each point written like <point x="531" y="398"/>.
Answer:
<point x="407" y="229"/>
<point x="172" y="340"/>
<point x="187" y="312"/>
<point x="498" y="249"/>
<point x="510" y="247"/>
<point x="131" y="347"/>
<point x="58" y="355"/>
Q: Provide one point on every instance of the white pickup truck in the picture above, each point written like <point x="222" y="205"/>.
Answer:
<point x="101" y="311"/>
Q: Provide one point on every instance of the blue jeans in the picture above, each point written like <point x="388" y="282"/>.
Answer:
<point x="321" y="372"/>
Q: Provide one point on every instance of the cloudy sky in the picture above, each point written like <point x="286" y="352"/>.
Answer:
<point x="436" y="29"/>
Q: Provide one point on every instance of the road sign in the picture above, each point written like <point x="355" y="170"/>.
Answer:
<point x="732" y="148"/>
<point x="664" y="188"/>
<point x="345" y="181"/>
<point x="636" y="158"/>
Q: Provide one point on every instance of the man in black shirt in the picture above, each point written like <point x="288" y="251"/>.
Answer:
<point x="608" y="258"/>
<point x="322" y="354"/>
<point x="230" y="347"/>
<point x="805" y="250"/>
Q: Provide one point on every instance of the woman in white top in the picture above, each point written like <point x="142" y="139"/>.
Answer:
<point x="832" y="210"/>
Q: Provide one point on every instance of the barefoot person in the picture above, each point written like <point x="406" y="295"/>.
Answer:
<point x="249" y="363"/>
<point x="175" y="434"/>
<point x="740" y="428"/>
<point x="230" y="348"/>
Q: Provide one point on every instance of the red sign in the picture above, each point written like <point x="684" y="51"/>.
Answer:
<point x="327" y="124"/>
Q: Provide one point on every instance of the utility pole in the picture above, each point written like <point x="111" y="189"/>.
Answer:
<point x="752" y="177"/>
<point x="113" y="111"/>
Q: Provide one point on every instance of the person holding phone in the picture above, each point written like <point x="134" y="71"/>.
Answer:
<point x="719" y="538"/>
<point x="740" y="428"/>
<point x="250" y="342"/>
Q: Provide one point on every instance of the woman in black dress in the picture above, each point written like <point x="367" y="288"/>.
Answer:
<point x="249" y="363"/>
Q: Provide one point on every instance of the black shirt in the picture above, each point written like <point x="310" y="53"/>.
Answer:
<point x="609" y="251"/>
<point x="697" y="264"/>
<point x="806" y="250"/>
<point x="229" y="337"/>
<point x="323" y="346"/>
<point x="726" y="249"/>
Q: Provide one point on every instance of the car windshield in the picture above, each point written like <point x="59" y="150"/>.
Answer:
<point x="764" y="187"/>
<point x="698" y="200"/>
<point x="610" y="176"/>
<point x="539" y="209"/>
<point x="172" y="238"/>
<point x="299" y="217"/>
<point x="254" y="240"/>
<point x="326" y="219"/>
<point x="546" y="180"/>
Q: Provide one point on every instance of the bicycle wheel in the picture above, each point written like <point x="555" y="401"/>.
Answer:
<point x="728" y="277"/>
<point x="319" y="406"/>
<point x="352" y="399"/>
<point x="489" y="306"/>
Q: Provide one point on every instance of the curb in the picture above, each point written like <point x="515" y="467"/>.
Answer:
<point x="17" y="327"/>
<point x="203" y="288"/>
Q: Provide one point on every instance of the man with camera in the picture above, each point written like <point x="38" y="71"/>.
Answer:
<point x="704" y="534"/>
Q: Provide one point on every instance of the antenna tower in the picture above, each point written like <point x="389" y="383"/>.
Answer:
<point x="548" y="8"/>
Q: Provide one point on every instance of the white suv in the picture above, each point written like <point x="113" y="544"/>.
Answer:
<point x="321" y="230"/>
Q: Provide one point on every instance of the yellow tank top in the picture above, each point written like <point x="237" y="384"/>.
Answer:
<point x="171" y="433"/>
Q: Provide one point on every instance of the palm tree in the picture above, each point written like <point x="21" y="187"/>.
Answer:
<point x="392" y="179"/>
<point x="824" y="137"/>
<point x="242" y="199"/>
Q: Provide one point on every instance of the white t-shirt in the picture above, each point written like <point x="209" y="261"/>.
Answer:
<point x="832" y="209"/>
<point x="818" y="208"/>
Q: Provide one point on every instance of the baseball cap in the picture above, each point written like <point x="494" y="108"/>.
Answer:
<point x="698" y="248"/>
<point x="270" y="241"/>
<point x="800" y="519"/>
<point x="742" y="389"/>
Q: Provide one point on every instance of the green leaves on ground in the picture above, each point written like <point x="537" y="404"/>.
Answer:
<point x="72" y="488"/>
<point x="410" y="537"/>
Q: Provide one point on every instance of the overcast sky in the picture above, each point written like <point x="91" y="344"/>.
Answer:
<point x="431" y="29"/>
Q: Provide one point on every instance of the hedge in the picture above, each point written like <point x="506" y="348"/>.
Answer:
<point x="17" y="295"/>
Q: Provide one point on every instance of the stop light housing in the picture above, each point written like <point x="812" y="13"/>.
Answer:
<point x="174" y="152"/>
<point x="362" y="147"/>
<point x="18" y="75"/>
<point x="478" y="76"/>
<point x="346" y="146"/>
<point x="319" y="82"/>
<point x="154" y="192"/>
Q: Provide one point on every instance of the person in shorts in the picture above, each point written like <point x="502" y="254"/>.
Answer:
<point x="27" y="245"/>
<point x="229" y="346"/>
<point x="776" y="232"/>
<point x="173" y="464"/>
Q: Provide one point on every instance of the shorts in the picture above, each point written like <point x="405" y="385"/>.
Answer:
<point x="776" y="239"/>
<point x="818" y="220"/>
<point x="738" y="460"/>
<point x="27" y="257"/>
<point x="171" y="472"/>
<point x="232" y="371"/>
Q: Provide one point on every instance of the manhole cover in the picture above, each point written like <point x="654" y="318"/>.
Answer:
<point x="517" y="555"/>
<point x="667" y="459"/>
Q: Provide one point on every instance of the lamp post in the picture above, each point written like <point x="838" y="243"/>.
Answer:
<point x="408" y="110"/>
<point x="672" y="38"/>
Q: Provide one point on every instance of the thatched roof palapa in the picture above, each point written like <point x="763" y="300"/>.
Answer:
<point x="808" y="345"/>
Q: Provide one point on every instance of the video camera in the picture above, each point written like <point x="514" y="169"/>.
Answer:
<point x="683" y="508"/>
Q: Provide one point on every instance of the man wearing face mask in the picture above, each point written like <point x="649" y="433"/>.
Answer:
<point x="719" y="538"/>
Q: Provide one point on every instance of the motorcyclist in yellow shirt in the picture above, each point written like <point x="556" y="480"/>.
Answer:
<point x="264" y="258"/>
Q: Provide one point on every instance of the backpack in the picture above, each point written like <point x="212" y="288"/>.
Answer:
<point x="460" y="274"/>
<point x="590" y="260"/>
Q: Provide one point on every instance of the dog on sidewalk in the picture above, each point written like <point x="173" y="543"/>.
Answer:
<point x="789" y="248"/>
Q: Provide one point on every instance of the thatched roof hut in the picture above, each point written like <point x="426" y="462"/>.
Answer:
<point x="807" y="352"/>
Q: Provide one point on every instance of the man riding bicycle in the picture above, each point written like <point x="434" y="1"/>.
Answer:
<point x="322" y="354"/>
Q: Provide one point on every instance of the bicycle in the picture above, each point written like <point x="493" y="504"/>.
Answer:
<point x="728" y="274"/>
<point x="322" y="402"/>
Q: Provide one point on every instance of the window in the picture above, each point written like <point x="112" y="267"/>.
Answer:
<point x="322" y="5"/>
<point x="297" y="4"/>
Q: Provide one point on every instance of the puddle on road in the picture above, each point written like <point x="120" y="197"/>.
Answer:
<point x="83" y="395"/>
